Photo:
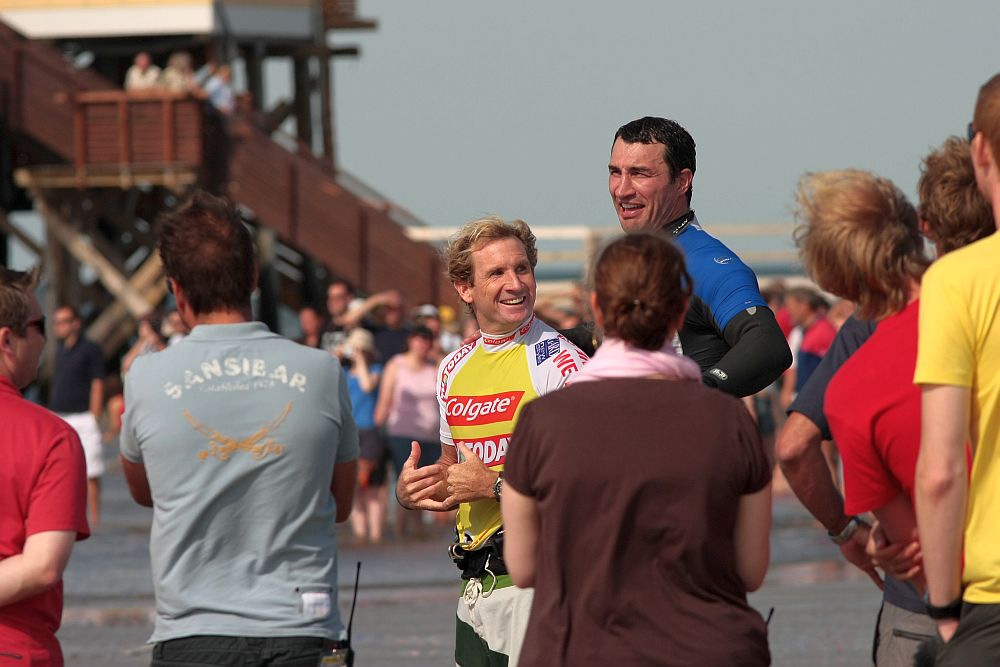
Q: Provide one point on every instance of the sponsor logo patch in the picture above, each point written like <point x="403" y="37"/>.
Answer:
<point x="722" y="260"/>
<point x="491" y="449"/>
<point x="566" y="363"/>
<point x="497" y="341"/>
<point x="545" y="349"/>
<point x="487" y="409"/>
<point x="719" y="373"/>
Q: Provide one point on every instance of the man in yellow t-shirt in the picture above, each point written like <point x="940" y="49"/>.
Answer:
<point x="958" y="368"/>
<point x="482" y="388"/>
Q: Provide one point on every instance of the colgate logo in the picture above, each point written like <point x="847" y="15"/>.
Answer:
<point x="497" y="341"/>
<point x="476" y="410"/>
<point x="492" y="450"/>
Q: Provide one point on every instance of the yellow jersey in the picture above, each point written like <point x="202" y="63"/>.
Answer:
<point x="482" y="387"/>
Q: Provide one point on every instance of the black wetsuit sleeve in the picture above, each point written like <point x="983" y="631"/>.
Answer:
<point x="758" y="354"/>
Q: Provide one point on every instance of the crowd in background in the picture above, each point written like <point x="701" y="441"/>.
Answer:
<point x="212" y="81"/>
<point x="391" y="354"/>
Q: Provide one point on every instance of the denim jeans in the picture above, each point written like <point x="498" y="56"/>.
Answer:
<point x="204" y="650"/>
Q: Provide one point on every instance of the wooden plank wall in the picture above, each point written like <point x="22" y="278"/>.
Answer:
<point x="299" y="198"/>
<point x="139" y="129"/>
<point x="38" y="83"/>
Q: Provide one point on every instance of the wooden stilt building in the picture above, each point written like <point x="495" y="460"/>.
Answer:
<point x="99" y="163"/>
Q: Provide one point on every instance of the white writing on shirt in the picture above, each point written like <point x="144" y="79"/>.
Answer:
<point x="491" y="449"/>
<point x="469" y="410"/>
<point x="235" y="374"/>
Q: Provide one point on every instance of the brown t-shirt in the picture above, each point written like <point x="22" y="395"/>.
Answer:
<point x="637" y="483"/>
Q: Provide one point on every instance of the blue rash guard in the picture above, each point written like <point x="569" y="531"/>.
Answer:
<point x="729" y="329"/>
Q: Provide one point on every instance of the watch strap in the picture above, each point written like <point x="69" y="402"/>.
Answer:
<point x="498" y="487"/>
<point x="847" y="532"/>
<point x="951" y="610"/>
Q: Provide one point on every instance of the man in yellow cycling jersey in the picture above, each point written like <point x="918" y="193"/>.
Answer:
<point x="482" y="387"/>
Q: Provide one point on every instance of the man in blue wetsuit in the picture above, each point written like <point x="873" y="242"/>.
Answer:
<point x="728" y="330"/>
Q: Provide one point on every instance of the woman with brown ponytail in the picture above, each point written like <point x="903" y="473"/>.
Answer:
<point x="637" y="500"/>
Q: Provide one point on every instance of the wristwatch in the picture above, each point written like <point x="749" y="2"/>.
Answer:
<point x="950" y="610"/>
<point x="498" y="487"/>
<point x="844" y="535"/>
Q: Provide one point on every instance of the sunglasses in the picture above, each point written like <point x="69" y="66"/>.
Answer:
<point x="971" y="132"/>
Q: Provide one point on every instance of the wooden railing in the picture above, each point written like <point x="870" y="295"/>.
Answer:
<point x="343" y="14"/>
<point x="113" y="127"/>
<point x="34" y="84"/>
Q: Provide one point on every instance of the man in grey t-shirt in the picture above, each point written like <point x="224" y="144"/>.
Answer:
<point x="244" y="445"/>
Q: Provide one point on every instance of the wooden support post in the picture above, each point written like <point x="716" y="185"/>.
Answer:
<point x="255" y="74"/>
<point x="115" y="324"/>
<point x="8" y="227"/>
<point x="313" y="289"/>
<point x="324" y="74"/>
<point x="267" y="278"/>
<point x="63" y="235"/>
<point x="303" y="100"/>
<point x="293" y="201"/>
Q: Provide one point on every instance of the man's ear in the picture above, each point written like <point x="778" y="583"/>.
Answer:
<point x="464" y="291"/>
<point x="8" y="354"/>
<point x="595" y="309"/>
<point x="979" y="149"/>
<point x="684" y="180"/>
<point x="180" y="300"/>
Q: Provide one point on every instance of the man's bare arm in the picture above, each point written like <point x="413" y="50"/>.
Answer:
<point x="942" y="492"/>
<point x="345" y="477"/>
<point x="38" y="568"/>
<point x="138" y="482"/>
<point x="97" y="398"/>
<point x="805" y="469"/>
<point x="520" y="523"/>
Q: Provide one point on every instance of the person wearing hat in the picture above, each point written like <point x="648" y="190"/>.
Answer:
<point x="357" y="356"/>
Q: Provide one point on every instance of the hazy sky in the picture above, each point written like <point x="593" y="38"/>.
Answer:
<point x="457" y="108"/>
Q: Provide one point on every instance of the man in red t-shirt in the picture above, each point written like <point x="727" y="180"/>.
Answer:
<point x="43" y="487"/>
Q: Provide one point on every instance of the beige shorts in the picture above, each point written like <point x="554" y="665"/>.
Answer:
<point x="90" y="437"/>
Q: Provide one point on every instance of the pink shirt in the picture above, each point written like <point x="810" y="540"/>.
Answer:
<point x="414" y="408"/>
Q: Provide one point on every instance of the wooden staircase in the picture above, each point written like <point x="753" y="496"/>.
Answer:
<point x="75" y="132"/>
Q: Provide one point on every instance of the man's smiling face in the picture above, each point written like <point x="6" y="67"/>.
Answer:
<point x="502" y="292"/>
<point x="645" y="194"/>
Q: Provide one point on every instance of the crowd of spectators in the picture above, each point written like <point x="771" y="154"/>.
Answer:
<point x="212" y="81"/>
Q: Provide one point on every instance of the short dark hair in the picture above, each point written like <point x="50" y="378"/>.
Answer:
<point x="641" y="285"/>
<point x="678" y="144"/>
<point x="346" y="283"/>
<point x="421" y="332"/>
<point x="16" y="289"/>
<point x="986" y="118"/>
<point x="207" y="249"/>
<point x="951" y="204"/>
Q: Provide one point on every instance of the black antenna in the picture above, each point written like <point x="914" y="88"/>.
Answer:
<point x="354" y="601"/>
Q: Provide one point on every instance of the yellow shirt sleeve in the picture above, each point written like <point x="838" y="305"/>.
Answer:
<point x="946" y="347"/>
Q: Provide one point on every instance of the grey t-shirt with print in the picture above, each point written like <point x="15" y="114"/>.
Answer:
<point x="239" y="430"/>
